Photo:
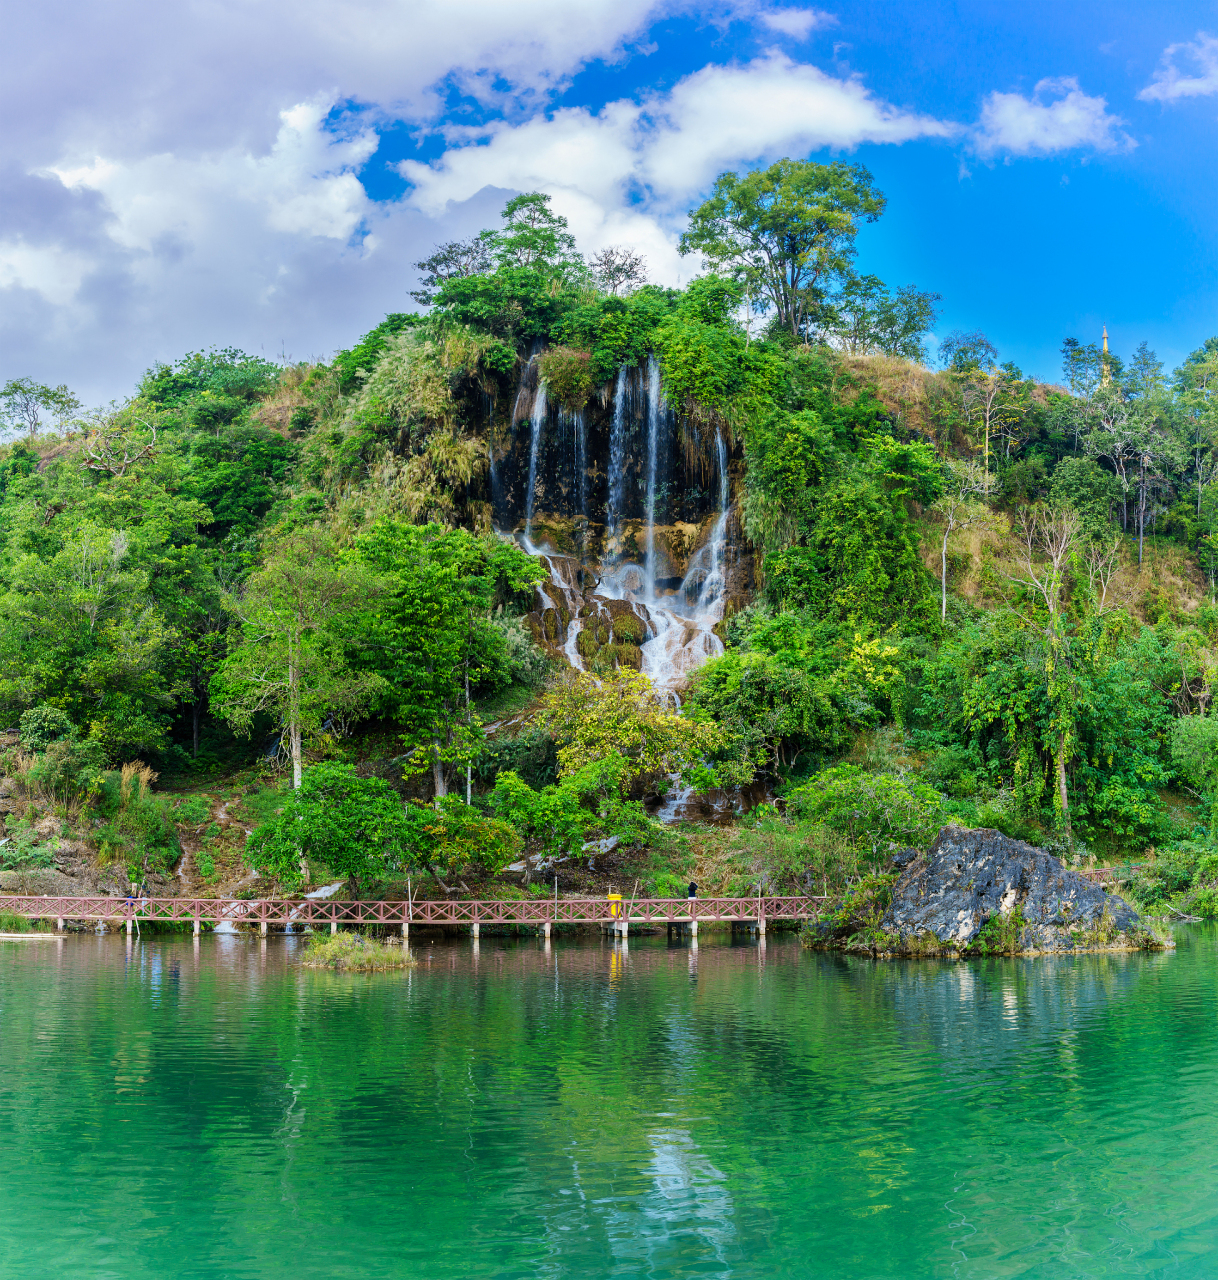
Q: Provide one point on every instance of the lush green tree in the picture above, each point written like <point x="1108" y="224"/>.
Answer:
<point x="25" y="405"/>
<point x="871" y="809"/>
<point x="430" y="642"/>
<point x="865" y="318"/>
<point x="1194" y="752"/>
<point x="623" y="715"/>
<point x="786" y="233"/>
<point x="299" y="615"/>
<point x="356" y="826"/>
<point x="454" y="839"/>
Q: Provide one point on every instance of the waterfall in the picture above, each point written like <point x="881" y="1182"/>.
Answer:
<point x="716" y="581"/>
<point x="581" y="480"/>
<point x="537" y="421"/>
<point x="654" y="409"/>
<point x="617" y="457"/>
<point x="496" y="481"/>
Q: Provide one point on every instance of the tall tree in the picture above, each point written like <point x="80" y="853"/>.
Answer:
<point x="1048" y="538"/>
<point x="298" y="615"/>
<point x="788" y="231"/>
<point x="27" y="404"/>
<point x="962" y="507"/>
<point x="431" y="641"/>
<point x="866" y="317"/>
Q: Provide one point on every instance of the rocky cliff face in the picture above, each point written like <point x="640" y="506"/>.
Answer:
<point x="632" y="509"/>
<point x="969" y="880"/>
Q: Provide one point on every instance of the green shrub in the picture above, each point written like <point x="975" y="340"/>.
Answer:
<point x="192" y="811"/>
<point x="70" y="769"/>
<point x="24" y="848"/>
<point x="10" y="922"/>
<point x="140" y="831"/>
<point x="870" y="809"/>
<point x="353" y="953"/>
<point x="568" y="376"/>
<point x="40" y="726"/>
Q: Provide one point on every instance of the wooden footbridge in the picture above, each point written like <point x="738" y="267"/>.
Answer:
<point x="541" y="913"/>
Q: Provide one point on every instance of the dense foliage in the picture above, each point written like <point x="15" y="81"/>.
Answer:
<point x="976" y="594"/>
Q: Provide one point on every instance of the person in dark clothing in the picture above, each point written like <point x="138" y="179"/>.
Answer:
<point x="693" y="891"/>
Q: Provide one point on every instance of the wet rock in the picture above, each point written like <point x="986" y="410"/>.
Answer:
<point x="969" y="878"/>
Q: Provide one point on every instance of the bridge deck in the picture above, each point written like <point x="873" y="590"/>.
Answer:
<point x="300" y="911"/>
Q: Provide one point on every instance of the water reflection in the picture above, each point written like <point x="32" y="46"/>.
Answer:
<point x="207" y="1107"/>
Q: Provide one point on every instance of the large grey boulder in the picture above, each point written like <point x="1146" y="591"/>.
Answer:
<point x="969" y="877"/>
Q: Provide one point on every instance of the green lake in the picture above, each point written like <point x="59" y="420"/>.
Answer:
<point x="173" y="1108"/>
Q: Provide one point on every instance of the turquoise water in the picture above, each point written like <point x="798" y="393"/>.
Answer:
<point x="213" y="1110"/>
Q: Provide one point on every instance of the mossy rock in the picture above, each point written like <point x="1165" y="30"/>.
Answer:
<point x="628" y="630"/>
<point x="550" y="625"/>
<point x="586" y="644"/>
<point x="622" y="655"/>
<point x="602" y="634"/>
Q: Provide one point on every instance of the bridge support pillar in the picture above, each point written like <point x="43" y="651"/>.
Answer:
<point x="262" y="929"/>
<point x="405" y="928"/>
<point x="333" y="926"/>
<point x="197" y="929"/>
<point x="761" y="926"/>
<point x="623" y="928"/>
<point x="59" y="924"/>
<point x="545" y="930"/>
<point x="476" y="930"/>
<point x="130" y="927"/>
<point x="693" y="928"/>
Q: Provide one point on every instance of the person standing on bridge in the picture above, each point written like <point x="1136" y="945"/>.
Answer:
<point x="693" y="891"/>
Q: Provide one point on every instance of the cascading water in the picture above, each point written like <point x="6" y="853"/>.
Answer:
<point x="617" y="459"/>
<point x="537" y="422"/>
<point x="615" y="533"/>
<point x="654" y="409"/>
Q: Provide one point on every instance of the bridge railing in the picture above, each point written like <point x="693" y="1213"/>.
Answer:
<point x="301" y="911"/>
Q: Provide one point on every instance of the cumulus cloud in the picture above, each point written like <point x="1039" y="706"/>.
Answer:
<point x="798" y="23"/>
<point x="1067" y="121"/>
<point x="634" y="163"/>
<point x="1170" y="83"/>
<point x="305" y="185"/>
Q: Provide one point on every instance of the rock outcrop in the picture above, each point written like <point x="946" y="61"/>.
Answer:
<point x="981" y="890"/>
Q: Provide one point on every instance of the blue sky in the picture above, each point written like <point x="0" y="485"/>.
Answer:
<point x="265" y="174"/>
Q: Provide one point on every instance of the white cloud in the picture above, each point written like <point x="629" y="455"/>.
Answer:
<point x="1169" y="83"/>
<point x="46" y="270"/>
<point x="305" y="185"/>
<point x="1031" y="126"/>
<point x="798" y="23"/>
<point x="628" y="170"/>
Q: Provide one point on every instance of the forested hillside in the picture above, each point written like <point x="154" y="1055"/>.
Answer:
<point x="518" y="564"/>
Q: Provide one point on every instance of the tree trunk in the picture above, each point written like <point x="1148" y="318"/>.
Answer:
<point x="1141" y="510"/>
<point x="1062" y="792"/>
<point x="294" y="714"/>
<point x="943" y="578"/>
<point x="437" y="770"/>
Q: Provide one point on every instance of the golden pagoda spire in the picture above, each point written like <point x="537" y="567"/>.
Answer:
<point x="1104" y="375"/>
